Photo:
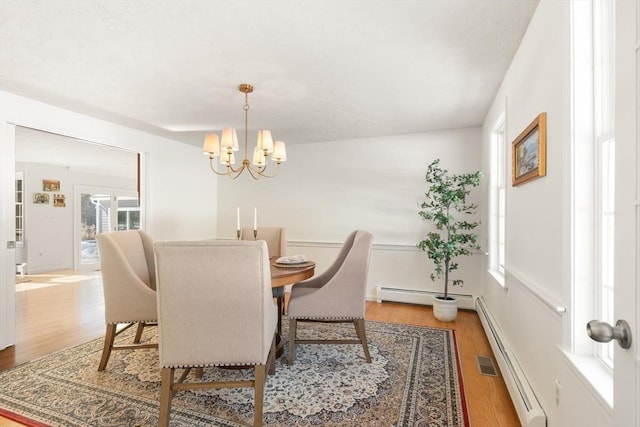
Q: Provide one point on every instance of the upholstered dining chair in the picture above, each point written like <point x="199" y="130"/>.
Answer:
<point x="215" y="309"/>
<point x="276" y="238"/>
<point x="336" y="295"/>
<point x="129" y="283"/>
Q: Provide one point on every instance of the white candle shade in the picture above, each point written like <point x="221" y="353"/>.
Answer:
<point x="258" y="157"/>
<point x="264" y="141"/>
<point x="229" y="139"/>
<point x="279" y="152"/>
<point x="211" y="146"/>
<point x="225" y="157"/>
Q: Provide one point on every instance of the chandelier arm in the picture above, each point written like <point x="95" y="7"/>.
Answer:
<point x="230" y="170"/>
<point x="261" y="172"/>
<point x="233" y="171"/>
<point x="254" y="174"/>
<point x="238" y="171"/>
<point x="236" y="175"/>
<point x="213" y="169"/>
<point x="259" y="169"/>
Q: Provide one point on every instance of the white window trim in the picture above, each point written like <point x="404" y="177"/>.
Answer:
<point x="579" y="350"/>
<point x="497" y="183"/>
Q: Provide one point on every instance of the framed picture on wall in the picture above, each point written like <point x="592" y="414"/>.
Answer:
<point x="41" y="198"/>
<point x="529" y="152"/>
<point x="58" y="201"/>
<point x="49" y="185"/>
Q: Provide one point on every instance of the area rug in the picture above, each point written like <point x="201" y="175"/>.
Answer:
<point x="414" y="380"/>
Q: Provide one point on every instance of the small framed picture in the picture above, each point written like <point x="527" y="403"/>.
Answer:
<point x="49" y="185"/>
<point x="58" y="201"/>
<point x="529" y="152"/>
<point x="41" y="198"/>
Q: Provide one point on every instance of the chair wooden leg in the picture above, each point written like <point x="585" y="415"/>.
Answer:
<point x="109" y="337"/>
<point x="293" y="324"/>
<point x="359" y="324"/>
<point x="199" y="373"/>
<point x="166" y="393"/>
<point x="139" y="332"/>
<point x="259" y="381"/>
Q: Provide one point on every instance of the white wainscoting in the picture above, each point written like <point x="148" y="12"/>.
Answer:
<point x="394" y="266"/>
<point x="531" y="326"/>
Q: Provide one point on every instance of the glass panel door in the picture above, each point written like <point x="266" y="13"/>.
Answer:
<point x="94" y="219"/>
<point x="128" y="213"/>
<point x="102" y="211"/>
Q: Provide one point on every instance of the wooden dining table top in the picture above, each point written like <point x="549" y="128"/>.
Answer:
<point x="282" y="275"/>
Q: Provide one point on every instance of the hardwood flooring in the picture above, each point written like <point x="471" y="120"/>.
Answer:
<point x="65" y="308"/>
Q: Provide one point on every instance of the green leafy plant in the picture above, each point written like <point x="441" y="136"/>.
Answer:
<point x="446" y="202"/>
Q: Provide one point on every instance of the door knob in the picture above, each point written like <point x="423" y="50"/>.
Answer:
<point x="603" y="332"/>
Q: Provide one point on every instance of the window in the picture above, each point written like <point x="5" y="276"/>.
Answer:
<point x="19" y="209"/>
<point x="604" y="250"/>
<point x="604" y="139"/>
<point x="497" y="223"/>
<point x="593" y="171"/>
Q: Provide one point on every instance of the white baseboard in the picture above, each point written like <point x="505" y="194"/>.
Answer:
<point x="524" y="400"/>
<point x="416" y="296"/>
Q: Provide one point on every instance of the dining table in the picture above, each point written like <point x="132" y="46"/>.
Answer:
<point x="283" y="274"/>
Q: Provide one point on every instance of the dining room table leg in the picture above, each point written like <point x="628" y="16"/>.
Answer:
<point x="278" y="294"/>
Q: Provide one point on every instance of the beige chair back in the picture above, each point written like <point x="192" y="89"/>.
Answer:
<point x="128" y="276"/>
<point x="214" y="303"/>
<point x="340" y="291"/>
<point x="276" y="238"/>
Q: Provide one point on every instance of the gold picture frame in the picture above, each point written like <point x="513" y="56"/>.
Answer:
<point x="50" y="185"/>
<point x="529" y="152"/>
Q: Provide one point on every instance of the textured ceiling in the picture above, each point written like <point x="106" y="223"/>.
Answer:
<point x="322" y="70"/>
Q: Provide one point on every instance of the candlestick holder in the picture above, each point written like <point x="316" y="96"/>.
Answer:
<point x="255" y="234"/>
<point x="238" y="234"/>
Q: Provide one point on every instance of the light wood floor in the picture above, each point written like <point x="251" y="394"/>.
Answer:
<point x="69" y="310"/>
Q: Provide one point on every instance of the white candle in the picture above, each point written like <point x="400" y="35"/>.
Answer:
<point x="255" y="218"/>
<point x="238" y="219"/>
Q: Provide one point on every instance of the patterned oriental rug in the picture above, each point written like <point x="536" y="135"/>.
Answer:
<point x="414" y="380"/>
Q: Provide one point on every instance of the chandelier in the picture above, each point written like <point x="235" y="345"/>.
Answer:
<point x="228" y="143"/>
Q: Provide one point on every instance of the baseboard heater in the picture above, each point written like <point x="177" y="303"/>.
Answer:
<point x="416" y="296"/>
<point x="527" y="406"/>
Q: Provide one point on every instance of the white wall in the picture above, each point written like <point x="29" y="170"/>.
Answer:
<point x="326" y="190"/>
<point x="178" y="192"/>
<point x="538" y="224"/>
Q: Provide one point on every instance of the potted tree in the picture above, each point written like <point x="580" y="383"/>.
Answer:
<point x="446" y="207"/>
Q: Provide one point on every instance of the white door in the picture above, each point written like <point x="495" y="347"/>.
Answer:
<point x="627" y="213"/>
<point x="101" y="210"/>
